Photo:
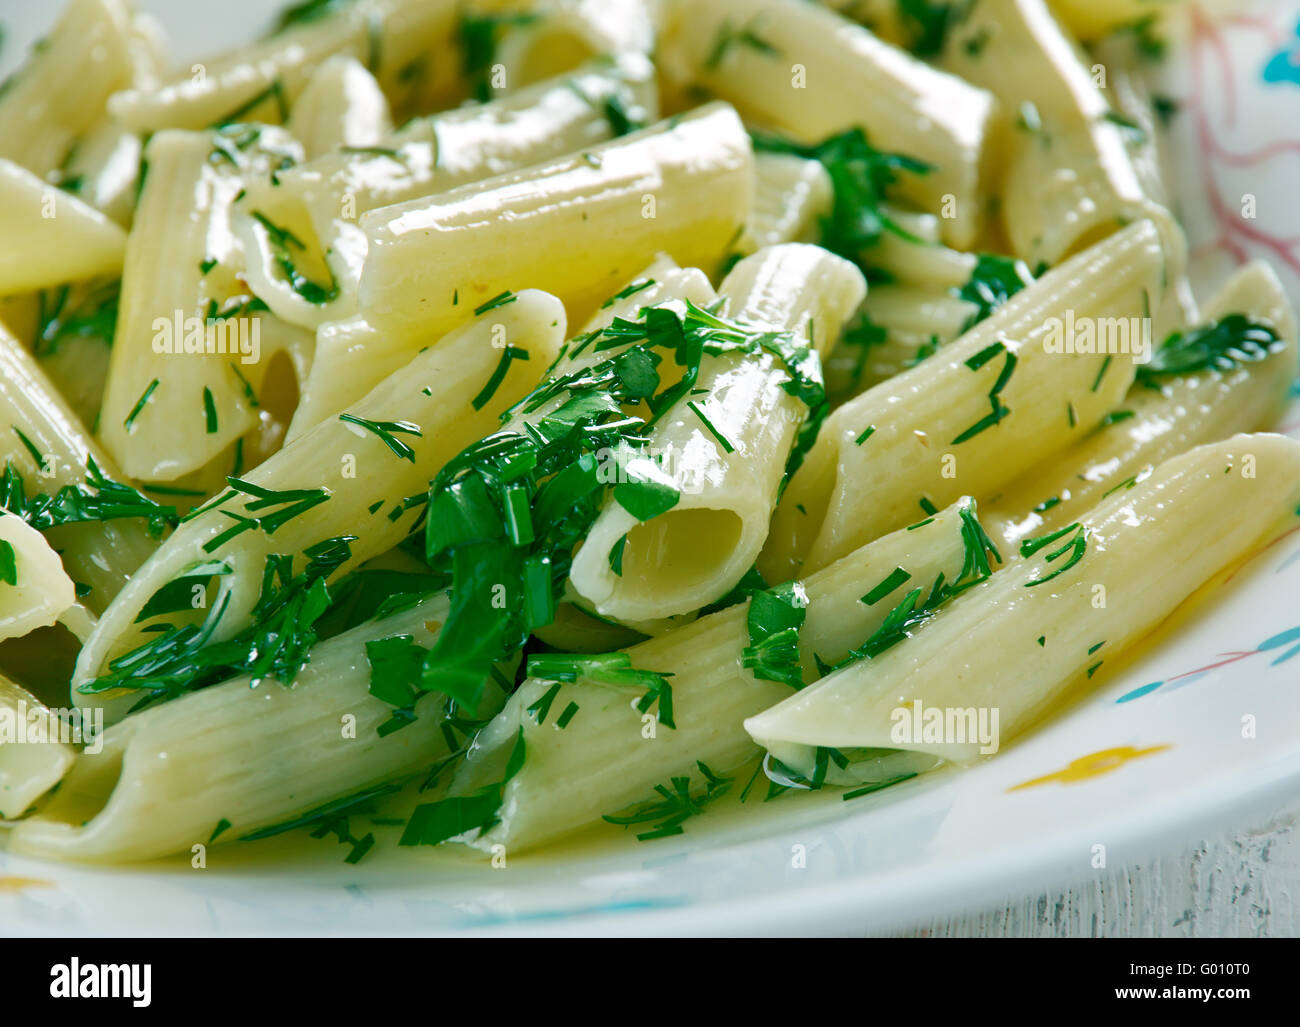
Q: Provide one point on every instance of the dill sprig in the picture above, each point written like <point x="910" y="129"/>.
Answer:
<point x="611" y="669"/>
<point x="276" y="644"/>
<point x="1221" y="345"/>
<point x="861" y="177"/>
<point x="97" y="499"/>
<point x="1075" y="545"/>
<point x="506" y="515"/>
<point x="677" y="804"/>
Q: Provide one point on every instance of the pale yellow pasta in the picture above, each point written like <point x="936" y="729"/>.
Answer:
<point x="809" y="73"/>
<point x="1021" y="385"/>
<point x="187" y="357"/>
<point x="611" y="755"/>
<point x="1069" y="178"/>
<point x="366" y="483"/>
<point x="727" y="448"/>
<point x="791" y="196"/>
<point x="682" y="188"/>
<point x="322" y="200"/>
<point x="32" y="757"/>
<point x="261" y="81"/>
<point x="62" y="91"/>
<point x="562" y="34"/>
<point x="342" y="105"/>
<point x="51" y="236"/>
<point x="100" y="556"/>
<point x="243" y="756"/>
<point x="1162" y="422"/>
<point x="1030" y="634"/>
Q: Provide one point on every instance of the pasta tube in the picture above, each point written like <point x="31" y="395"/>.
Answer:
<point x="809" y="73"/>
<point x="225" y="761"/>
<point x="261" y="81"/>
<point x="322" y="200"/>
<point x="732" y="443"/>
<point x="1163" y="418"/>
<point x="400" y="435"/>
<point x="1021" y="648"/>
<point x="1022" y="382"/>
<point x="61" y="92"/>
<point x="50" y="236"/>
<point x="32" y="758"/>
<point x="610" y="755"/>
<point x="342" y="106"/>
<point x="681" y="188"/>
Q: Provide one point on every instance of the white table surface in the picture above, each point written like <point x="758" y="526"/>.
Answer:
<point x="1240" y="884"/>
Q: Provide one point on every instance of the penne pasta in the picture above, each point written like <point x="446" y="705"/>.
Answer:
<point x="731" y="444"/>
<point x="1022" y="648"/>
<point x="1022" y="382"/>
<point x="612" y="754"/>
<point x="809" y="73"/>
<point x="224" y="762"/>
<point x="349" y="472"/>
<point x="32" y="758"/>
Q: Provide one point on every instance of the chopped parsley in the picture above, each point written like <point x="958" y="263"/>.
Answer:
<point x="775" y="617"/>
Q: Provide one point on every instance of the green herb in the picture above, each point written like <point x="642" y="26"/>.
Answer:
<point x="209" y="411"/>
<point x="722" y="440"/>
<point x="914" y="610"/>
<point x="8" y="563"/>
<point x="896" y="577"/>
<point x="862" y="334"/>
<point x="388" y="432"/>
<point x="775" y="618"/>
<point x="507" y="514"/>
<point x="508" y="356"/>
<point x="480" y="35"/>
<point x="436" y="822"/>
<point x="94" y="316"/>
<point x="129" y="423"/>
<point x="1127" y="124"/>
<point x="276" y="644"/>
<point x="332" y="819"/>
<point x="97" y="499"/>
<point x="676" y="805"/>
<point x="1075" y="545"/>
<point x="495" y="302"/>
<point x="993" y="281"/>
<point x="628" y="292"/>
<point x="308" y="11"/>
<point x="928" y="23"/>
<point x="223" y="825"/>
<point x="611" y="669"/>
<point x="396" y="669"/>
<point x="621" y="121"/>
<point x="1042" y="640"/>
<point x="542" y="706"/>
<point x="857" y="793"/>
<point x="1221" y="345"/>
<point x="291" y="503"/>
<point x="729" y="36"/>
<point x="283" y="243"/>
<point x="1105" y="366"/>
<point x="569" y="713"/>
<point x="1165" y="108"/>
<point x="178" y="594"/>
<point x="275" y="91"/>
<point x="999" y="411"/>
<point x="861" y="177"/>
<point x="1115" y="417"/>
<point x="616" y="556"/>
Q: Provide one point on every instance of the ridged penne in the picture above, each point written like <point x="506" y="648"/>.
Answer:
<point x="1015" y="388"/>
<point x="356" y="480"/>
<point x="807" y="72"/>
<point x="1020" y="647"/>
<point x="731" y="443"/>
<point x="32" y="759"/>
<point x="155" y="788"/>
<point x="1159" y="420"/>
<point x="609" y="755"/>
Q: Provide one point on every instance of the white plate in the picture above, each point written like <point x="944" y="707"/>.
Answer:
<point x="1154" y="754"/>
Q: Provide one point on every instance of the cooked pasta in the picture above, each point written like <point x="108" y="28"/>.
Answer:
<point x="505" y="419"/>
